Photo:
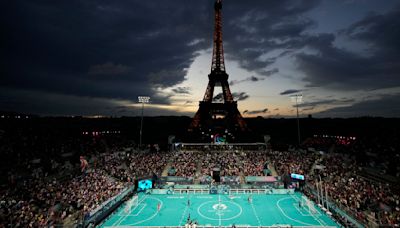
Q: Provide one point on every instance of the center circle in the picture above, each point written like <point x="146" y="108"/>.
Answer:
<point x="219" y="209"/>
<point x="220" y="206"/>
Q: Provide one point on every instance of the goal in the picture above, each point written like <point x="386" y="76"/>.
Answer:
<point x="131" y="204"/>
<point x="308" y="204"/>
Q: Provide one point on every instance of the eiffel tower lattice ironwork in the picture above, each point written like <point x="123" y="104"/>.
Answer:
<point x="209" y="111"/>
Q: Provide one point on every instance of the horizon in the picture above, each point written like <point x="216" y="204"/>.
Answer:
<point x="12" y="114"/>
<point x="94" y="59"/>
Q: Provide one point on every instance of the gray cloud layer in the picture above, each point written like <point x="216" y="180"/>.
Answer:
<point x="340" y="69"/>
<point x="254" y="112"/>
<point x="121" y="49"/>
<point x="290" y="91"/>
<point x="115" y="50"/>
<point x="240" y="96"/>
<point x="386" y="106"/>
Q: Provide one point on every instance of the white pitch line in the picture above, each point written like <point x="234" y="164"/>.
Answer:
<point x="152" y="216"/>
<point x="141" y="209"/>
<point x="223" y="219"/>
<point x="316" y="218"/>
<point x="298" y="199"/>
<point x="219" y="214"/>
<point x="255" y="213"/>
<point x="300" y="212"/>
<point x="118" y="222"/>
<point x="284" y="214"/>
<point x="323" y="222"/>
<point x="183" y="214"/>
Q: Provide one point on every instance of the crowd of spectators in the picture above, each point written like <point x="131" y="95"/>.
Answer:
<point x="184" y="163"/>
<point x="39" y="201"/>
<point x="253" y="162"/>
<point x="363" y="197"/>
<point x="45" y="185"/>
<point x="319" y="143"/>
<point x="339" y="163"/>
<point x="44" y="200"/>
<point x="370" y="200"/>
<point x="127" y="165"/>
<point x="228" y="162"/>
<point x="293" y="161"/>
<point x="328" y="142"/>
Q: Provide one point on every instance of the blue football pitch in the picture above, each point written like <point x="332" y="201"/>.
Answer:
<point x="218" y="210"/>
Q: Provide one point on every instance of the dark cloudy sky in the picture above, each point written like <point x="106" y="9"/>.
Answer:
<point x="93" y="57"/>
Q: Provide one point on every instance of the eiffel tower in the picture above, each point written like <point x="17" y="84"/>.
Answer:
<point x="211" y="116"/>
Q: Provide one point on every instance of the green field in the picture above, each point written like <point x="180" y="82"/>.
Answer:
<point x="218" y="210"/>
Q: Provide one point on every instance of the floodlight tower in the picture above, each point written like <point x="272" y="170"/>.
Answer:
<point x="143" y="100"/>
<point x="298" y="98"/>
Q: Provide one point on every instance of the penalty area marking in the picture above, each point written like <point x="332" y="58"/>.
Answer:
<point x="142" y="206"/>
<point x="118" y="222"/>
<point x="141" y="209"/>
<point x="295" y="205"/>
<point x="149" y="218"/>
<point x="288" y="217"/>
<point x="316" y="217"/>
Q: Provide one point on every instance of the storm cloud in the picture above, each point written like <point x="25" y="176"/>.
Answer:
<point x="181" y="90"/>
<point x="386" y="106"/>
<point x="342" y="69"/>
<point x="249" y="79"/>
<point x="290" y="91"/>
<point x="254" y="112"/>
<point x="105" y="53"/>
<point x="113" y="50"/>
<point x="240" y="96"/>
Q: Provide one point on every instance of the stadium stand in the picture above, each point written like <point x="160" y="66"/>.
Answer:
<point x="44" y="184"/>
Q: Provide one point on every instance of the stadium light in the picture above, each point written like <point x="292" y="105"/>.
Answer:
<point x="297" y="98"/>
<point x="143" y="100"/>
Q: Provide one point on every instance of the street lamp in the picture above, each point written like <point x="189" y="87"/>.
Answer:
<point x="298" y="99"/>
<point x="143" y="100"/>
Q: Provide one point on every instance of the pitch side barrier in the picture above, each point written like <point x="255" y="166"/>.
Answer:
<point x="220" y="190"/>
<point x="335" y="208"/>
<point x="102" y="211"/>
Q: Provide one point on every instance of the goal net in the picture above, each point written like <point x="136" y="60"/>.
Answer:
<point x="131" y="204"/>
<point x="308" y="205"/>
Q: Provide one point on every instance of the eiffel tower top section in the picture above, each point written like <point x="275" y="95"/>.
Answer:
<point x="218" y="117"/>
<point x="218" y="64"/>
